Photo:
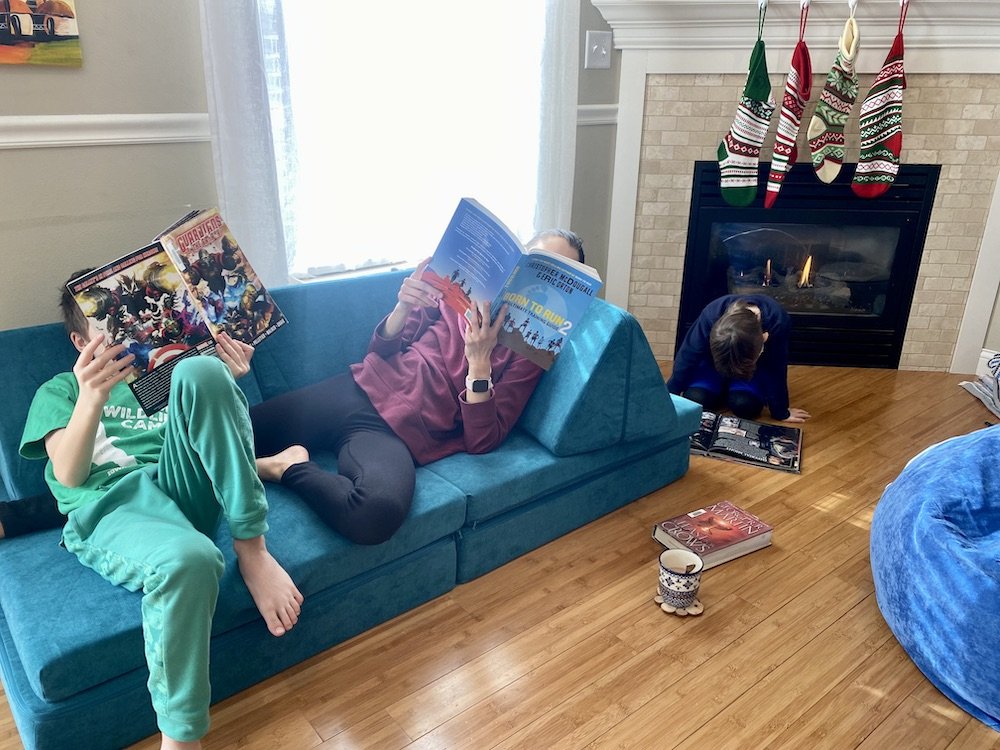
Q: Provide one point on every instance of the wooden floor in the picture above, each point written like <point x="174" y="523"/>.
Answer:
<point x="564" y="648"/>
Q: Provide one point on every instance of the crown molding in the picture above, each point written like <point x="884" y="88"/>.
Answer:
<point x="59" y="131"/>
<point x="709" y="36"/>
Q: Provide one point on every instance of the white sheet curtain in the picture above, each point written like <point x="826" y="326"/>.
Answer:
<point x="256" y="148"/>
<point x="242" y="146"/>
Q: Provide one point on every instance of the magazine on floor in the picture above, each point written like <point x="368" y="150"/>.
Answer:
<point x="746" y="441"/>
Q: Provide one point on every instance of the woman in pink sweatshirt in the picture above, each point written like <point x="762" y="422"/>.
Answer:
<point x="432" y="384"/>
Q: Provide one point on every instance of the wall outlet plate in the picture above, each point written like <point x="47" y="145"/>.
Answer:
<point x="597" y="55"/>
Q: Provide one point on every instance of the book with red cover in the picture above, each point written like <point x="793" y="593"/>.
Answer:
<point x="716" y="533"/>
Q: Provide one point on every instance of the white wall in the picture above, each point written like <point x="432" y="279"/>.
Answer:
<point x="96" y="160"/>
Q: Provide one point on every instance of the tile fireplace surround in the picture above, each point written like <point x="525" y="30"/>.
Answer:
<point x="683" y="67"/>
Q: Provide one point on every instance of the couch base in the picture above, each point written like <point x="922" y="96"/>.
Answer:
<point x="328" y="618"/>
<point x="491" y="543"/>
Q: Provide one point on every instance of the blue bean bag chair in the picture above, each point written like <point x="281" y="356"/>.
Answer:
<point x="935" y="555"/>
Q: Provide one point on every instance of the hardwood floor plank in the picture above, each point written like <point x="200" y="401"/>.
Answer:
<point x="976" y="736"/>
<point x="784" y="696"/>
<point x="848" y="711"/>
<point x="923" y="721"/>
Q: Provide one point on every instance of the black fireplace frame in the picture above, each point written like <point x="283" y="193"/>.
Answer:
<point x="824" y="338"/>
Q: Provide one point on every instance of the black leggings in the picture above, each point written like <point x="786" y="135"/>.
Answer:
<point x="370" y="497"/>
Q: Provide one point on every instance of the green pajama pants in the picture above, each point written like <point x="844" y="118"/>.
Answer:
<point x="153" y="532"/>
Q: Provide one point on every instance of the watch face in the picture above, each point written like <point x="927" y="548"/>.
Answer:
<point x="480" y="386"/>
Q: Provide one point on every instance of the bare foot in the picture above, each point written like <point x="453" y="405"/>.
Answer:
<point x="277" y="598"/>
<point x="271" y="468"/>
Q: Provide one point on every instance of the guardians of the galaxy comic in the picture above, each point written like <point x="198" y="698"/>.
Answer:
<point x="141" y="301"/>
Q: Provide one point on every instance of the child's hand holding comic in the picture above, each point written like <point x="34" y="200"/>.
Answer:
<point x="235" y="354"/>
<point x="99" y="368"/>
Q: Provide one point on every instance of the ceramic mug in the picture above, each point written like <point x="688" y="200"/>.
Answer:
<point x="680" y="577"/>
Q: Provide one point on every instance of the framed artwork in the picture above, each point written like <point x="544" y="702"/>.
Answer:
<point x="39" y="32"/>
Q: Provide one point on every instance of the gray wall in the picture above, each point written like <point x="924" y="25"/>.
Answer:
<point x="69" y="207"/>
<point x="595" y="149"/>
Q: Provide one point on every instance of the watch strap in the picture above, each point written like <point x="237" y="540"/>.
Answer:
<point x="478" y="385"/>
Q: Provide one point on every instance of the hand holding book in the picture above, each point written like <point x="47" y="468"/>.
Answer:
<point x="235" y="354"/>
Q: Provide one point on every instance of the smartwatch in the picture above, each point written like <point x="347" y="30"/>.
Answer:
<point x="478" y="385"/>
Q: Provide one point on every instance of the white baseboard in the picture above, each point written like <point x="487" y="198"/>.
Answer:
<point x="985" y="356"/>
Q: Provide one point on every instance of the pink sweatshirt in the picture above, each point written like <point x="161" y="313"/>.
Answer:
<point x="416" y="382"/>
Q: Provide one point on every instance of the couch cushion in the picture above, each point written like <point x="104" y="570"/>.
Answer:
<point x="331" y="323"/>
<point x="73" y="630"/>
<point x="604" y="387"/>
<point x="28" y="357"/>
<point x="521" y="471"/>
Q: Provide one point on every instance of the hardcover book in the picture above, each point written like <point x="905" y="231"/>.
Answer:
<point x="170" y="299"/>
<point x="745" y="441"/>
<point x="716" y="533"/>
<point x="479" y="258"/>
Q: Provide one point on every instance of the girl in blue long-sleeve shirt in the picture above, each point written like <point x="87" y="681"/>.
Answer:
<point x="736" y="356"/>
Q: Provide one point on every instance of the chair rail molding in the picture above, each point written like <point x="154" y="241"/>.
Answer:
<point x="60" y="131"/>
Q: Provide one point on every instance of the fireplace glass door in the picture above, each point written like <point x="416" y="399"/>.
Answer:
<point x="808" y="268"/>
<point x="845" y="268"/>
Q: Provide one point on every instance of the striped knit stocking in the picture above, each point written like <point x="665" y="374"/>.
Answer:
<point x="798" y="88"/>
<point x="881" y="124"/>
<point x="826" y="129"/>
<point x="739" y="151"/>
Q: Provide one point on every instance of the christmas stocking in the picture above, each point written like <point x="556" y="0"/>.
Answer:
<point x="881" y="122"/>
<point x="826" y="129"/>
<point x="798" y="88"/>
<point x="739" y="151"/>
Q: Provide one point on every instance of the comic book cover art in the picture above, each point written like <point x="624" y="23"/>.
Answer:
<point x="231" y="295"/>
<point x="141" y="301"/>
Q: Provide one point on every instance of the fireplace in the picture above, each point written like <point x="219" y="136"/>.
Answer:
<point x="844" y="267"/>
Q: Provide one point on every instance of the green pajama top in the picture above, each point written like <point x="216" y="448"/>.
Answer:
<point x="127" y="438"/>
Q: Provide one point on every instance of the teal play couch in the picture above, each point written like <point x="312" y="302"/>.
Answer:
<point x="599" y="432"/>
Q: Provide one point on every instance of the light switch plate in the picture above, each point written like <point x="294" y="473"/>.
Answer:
<point x="598" y="53"/>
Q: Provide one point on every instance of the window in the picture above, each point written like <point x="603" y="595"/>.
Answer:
<point x="396" y="113"/>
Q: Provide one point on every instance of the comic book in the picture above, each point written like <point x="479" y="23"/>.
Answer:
<point x="479" y="258"/>
<point x="170" y="299"/>
<point x="756" y="443"/>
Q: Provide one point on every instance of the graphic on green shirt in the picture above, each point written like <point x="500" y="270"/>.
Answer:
<point x="127" y="438"/>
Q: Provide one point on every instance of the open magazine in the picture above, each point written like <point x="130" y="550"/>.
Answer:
<point x="479" y="258"/>
<point x="169" y="300"/>
<point x="743" y="440"/>
<point x="986" y="387"/>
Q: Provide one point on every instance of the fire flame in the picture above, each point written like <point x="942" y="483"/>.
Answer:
<point x="804" y="276"/>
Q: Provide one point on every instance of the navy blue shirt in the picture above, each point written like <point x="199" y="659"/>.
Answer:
<point x="771" y="375"/>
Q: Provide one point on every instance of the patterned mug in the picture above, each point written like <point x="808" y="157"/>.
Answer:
<point x="680" y="577"/>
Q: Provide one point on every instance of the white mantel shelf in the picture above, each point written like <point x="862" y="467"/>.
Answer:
<point x="715" y="36"/>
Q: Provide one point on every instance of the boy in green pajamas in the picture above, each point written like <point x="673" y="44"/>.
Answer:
<point x="144" y="495"/>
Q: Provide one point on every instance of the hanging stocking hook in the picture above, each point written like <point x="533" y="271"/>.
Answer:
<point x="853" y="4"/>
